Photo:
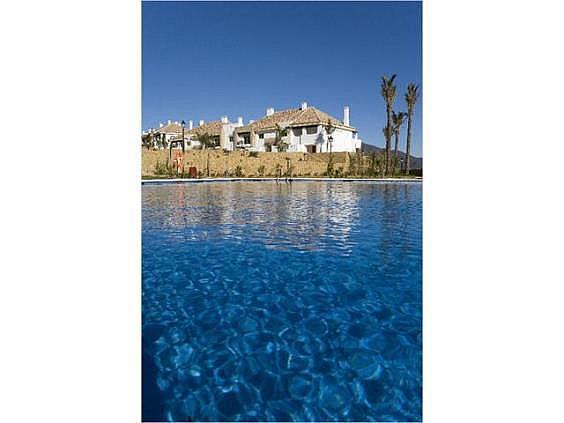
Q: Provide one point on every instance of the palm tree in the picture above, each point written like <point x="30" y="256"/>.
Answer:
<point x="397" y="119"/>
<point x="388" y="92"/>
<point x="280" y="133"/>
<point x="411" y="97"/>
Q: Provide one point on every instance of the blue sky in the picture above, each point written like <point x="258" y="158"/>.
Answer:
<point x="203" y="60"/>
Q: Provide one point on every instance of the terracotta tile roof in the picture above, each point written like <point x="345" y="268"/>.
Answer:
<point x="212" y="128"/>
<point x="171" y="128"/>
<point x="292" y="117"/>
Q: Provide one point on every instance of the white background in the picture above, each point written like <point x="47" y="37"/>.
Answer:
<point x="70" y="93"/>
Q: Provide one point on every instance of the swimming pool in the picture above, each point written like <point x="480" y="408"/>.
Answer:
<point x="282" y="302"/>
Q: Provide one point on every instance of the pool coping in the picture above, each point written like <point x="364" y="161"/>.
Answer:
<point x="207" y="180"/>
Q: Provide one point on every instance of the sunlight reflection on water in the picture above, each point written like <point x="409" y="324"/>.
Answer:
<point x="265" y="301"/>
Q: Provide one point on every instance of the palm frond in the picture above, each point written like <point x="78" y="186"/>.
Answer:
<point x="388" y="89"/>
<point x="411" y="96"/>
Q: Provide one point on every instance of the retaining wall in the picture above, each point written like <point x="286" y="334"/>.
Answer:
<point x="222" y="163"/>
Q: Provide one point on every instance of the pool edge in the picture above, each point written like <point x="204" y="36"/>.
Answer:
<point x="208" y="180"/>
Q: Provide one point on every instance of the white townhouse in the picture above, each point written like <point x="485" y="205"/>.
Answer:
<point x="220" y="132"/>
<point x="306" y="129"/>
<point x="166" y="132"/>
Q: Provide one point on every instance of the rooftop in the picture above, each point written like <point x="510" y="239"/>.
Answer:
<point x="212" y="128"/>
<point x="300" y="116"/>
<point x="292" y="117"/>
<point x="173" y="127"/>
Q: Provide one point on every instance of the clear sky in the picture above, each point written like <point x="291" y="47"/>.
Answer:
<point x="203" y="60"/>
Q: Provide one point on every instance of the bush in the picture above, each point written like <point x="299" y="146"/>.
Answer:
<point x="238" y="171"/>
<point x="338" y="173"/>
<point x="261" y="170"/>
<point x="162" y="169"/>
<point x="330" y="170"/>
<point x="254" y="154"/>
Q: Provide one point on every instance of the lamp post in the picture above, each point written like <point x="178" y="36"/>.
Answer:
<point x="330" y="144"/>
<point x="183" y="125"/>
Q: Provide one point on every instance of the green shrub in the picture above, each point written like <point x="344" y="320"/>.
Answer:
<point x="330" y="170"/>
<point x="338" y="173"/>
<point x="162" y="169"/>
<point x="278" y="170"/>
<point x="261" y="170"/>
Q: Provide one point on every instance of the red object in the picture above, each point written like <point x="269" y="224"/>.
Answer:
<point x="193" y="172"/>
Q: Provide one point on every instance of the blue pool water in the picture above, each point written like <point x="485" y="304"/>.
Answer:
<point x="282" y="302"/>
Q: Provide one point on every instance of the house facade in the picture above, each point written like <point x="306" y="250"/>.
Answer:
<point x="304" y="129"/>
<point x="164" y="134"/>
<point x="219" y="133"/>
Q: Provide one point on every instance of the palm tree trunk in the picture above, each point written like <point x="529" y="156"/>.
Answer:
<point x="408" y="143"/>
<point x="388" y="136"/>
<point x="395" y="153"/>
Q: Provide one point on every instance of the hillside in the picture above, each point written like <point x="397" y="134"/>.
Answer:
<point x="414" y="162"/>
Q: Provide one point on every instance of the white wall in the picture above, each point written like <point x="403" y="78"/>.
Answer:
<point x="260" y="145"/>
<point x="343" y="140"/>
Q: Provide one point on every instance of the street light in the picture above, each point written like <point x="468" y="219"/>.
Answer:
<point x="183" y="125"/>
<point x="330" y="143"/>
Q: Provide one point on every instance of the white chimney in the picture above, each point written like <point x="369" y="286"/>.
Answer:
<point x="270" y="111"/>
<point x="224" y="119"/>
<point x="240" y="120"/>
<point x="190" y="124"/>
<point x="169" y="121"/>
<point x="304" y="105"/>
<point x="160" y="125"/>
<point x="346" y="115"/>
<point x="201" y="122"/>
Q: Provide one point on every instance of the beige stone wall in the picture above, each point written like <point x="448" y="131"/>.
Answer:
<point x="220" y="162"/>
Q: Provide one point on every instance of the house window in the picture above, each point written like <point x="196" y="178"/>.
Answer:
<point x="261" y="136"/>
<point x="311" y="130"/>
<point x="297" y="131"/>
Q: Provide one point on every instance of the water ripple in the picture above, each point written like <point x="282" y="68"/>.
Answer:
<point x="282" y="302"/>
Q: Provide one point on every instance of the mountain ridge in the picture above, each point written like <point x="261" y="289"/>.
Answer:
<point x="414" y="162"/>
